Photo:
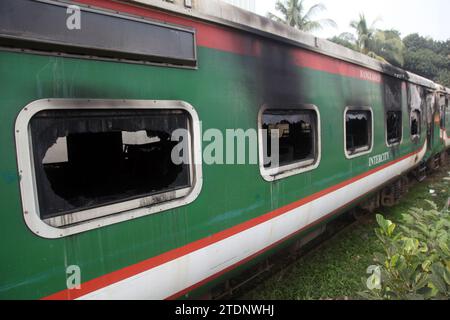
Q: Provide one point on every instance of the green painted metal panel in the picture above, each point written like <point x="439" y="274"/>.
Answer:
<point x="227" y="93"/>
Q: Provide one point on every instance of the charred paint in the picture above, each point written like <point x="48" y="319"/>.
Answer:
<point x="280" y="79"/>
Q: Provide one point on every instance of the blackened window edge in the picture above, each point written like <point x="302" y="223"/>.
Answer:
<point x="353" y="150"/>
<point x="313" y="155"/>
<point x="415" y="129"/>
<point x="39" y="154"/>
<point x="394" y="127"/>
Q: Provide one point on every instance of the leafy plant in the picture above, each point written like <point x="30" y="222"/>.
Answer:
<point x="415" y="264"/>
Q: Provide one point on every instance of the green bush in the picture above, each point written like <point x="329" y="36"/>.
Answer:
<point x="415" y="264"/>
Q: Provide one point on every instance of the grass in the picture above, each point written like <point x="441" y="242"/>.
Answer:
<point x="336" y="270"/>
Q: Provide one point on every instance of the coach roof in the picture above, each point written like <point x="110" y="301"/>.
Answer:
<point x="229" y="15"/>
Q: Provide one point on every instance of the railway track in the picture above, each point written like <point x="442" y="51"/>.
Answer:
<point x="235" y="288"/>
<point x="289" y="256"/>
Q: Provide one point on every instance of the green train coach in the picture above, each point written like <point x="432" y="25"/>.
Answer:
<point x="92" y="93"/>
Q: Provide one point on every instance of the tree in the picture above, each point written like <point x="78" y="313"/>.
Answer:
<point x="428" y="58"/>
<point x="420" y="55"/>
<point x="444" y="78"/>
<point x="295" y="14"/>
<point x="389" y="45"/>
<point x="383" y="45"/>
<point x="345" y="39"/>
<point x="415" y="42"/>
<point x="364" y="33"/>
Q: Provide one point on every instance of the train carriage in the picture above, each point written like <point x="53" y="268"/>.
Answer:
<point x="89" y="189"/>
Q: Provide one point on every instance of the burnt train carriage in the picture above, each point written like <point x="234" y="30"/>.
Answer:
<point x="88" y="186"/>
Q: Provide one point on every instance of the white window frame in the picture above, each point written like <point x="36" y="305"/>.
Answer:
<point x="108" y="214"/>
<point x="289" y="170"/>
<point x="386" y="132"/>
<point x="361" y="151"/>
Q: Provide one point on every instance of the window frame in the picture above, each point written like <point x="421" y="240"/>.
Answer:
<point x="443" y="112"/>
<point x="104" y="215"/>
<point x="415" y="137"/>
<point x="362" y="152"/>
<point x="386" y="129"/>
<point x="447" y="112"/>
<point x="292" y="169"/>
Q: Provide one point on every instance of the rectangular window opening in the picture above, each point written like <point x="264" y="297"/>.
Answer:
<point x="394" y="127"/>
<point x="296" y="131"/>
<point x="358" y="125"/>
<point x="415" y="123"/>
<point x="84" y="159"/>
<point x="442" y="115"/>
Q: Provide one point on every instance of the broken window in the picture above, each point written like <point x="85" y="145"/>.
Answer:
<point x="358" y="131"/>
<point x="85" y="159"/>
<point x="415" y="123"/>
<point x="394" y="127"/>
<point x="447" y="111"/>
<point x="442" y="118"/>
<point x="296" y="131"/>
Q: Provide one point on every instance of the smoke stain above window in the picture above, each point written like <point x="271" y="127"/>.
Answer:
<point x="296" y="131"/>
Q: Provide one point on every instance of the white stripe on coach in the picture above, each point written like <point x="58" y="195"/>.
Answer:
<point x="174" y="276"/>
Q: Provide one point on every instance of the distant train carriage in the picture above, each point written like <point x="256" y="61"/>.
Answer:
<point x="90" y="193"/>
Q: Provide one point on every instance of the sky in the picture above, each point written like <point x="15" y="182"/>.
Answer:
<point x="426" y="17"/>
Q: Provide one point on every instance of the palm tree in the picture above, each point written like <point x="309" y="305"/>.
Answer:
<point x="383" y="45"/>
<point x="364" y="33"/>
<point x="295" y="14"/>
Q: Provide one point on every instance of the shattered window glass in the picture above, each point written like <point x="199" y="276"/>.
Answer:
<point x="296" y="131"/>
<point x="85" y="159"/>
<point x="415" y="123"/>
<point x="358" y="133"/>
<point x="394" y="127"/>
